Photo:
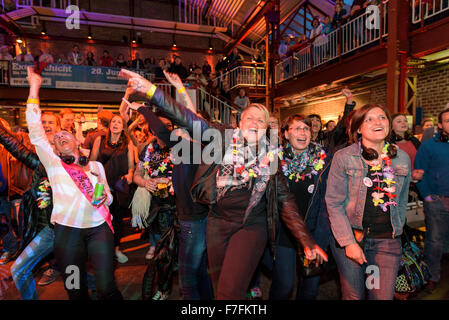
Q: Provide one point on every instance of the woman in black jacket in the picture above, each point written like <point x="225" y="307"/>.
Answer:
<point x="36" y="205"/>
<point x="244" y="195"/>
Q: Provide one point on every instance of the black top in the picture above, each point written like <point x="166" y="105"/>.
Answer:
<point x="114" y="161"/>
<point x="233" y="204"/>
<point x="302" y="190"/>
<point x="376" y="222"/>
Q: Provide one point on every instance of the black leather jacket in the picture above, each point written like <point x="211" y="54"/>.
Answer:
<point x="204" y="189"/>
<point x="35" y="219"/>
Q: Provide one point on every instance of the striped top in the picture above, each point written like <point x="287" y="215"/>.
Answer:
<point x="70" y="206"/>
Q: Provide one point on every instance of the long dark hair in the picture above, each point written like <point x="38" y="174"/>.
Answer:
<point x="408" y="135"/>
<point x="357" y="120"/>
<point x="123" y="140"/>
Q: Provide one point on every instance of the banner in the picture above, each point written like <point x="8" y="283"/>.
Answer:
<point x="62" y="76"/>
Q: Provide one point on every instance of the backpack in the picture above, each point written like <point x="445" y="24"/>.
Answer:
<point x="413" y="272"/>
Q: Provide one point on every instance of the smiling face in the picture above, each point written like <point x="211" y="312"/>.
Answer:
<point x="427" y="124"/>
<point x="65" y="143"/>
<point x="50" y="124"/>
<point x="298" y="135"/>
<point x="375" y="126"/>
<point x="316" y="124"/>
<point x="253" y="124"/>
<point x="400" y="125"/>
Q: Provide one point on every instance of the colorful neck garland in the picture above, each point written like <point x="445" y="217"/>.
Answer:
<point x="386" y="185"/>
<point x="238" y="158"/>
<point x="164" y="168"/>
<point x="43" y="191"/>
<point x="303" y="164"/>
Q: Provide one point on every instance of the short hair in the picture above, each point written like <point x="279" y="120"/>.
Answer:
<point x="65" y="111"/>
<point x="261" y="107"/>
<point x="294" y="117"/>
<point x="440" y="115"/>
<point x="327" y="123"/>
<point x="50" y="113"/>
<point x="105" y="117"/>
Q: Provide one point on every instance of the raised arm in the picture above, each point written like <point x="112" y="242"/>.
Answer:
<point x="174" y="79"/>
<point x="17" y="149"/>
<point x="177" y="113"/>
<point x="33" y="116"/>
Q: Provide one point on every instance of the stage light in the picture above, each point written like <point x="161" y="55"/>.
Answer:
<point x="19" y="40"/>
<point x="174" y="44"/>
<point x="43" y="32"/>
<point x="89" y="36"/>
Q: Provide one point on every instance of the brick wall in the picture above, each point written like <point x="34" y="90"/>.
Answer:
<point x="433" y="91"/>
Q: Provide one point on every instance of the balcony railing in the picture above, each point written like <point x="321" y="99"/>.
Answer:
<point x="355" y="34"/>
<point x="247" y="75"/>
<point x="425" y="9"/>
<point x="56" y="4"/>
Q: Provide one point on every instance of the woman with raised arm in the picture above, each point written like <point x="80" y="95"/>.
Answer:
<point x="366" y="197"/>
<point x="116" y="152"/>
<point x="246" y="192"/>
<point x="82" y="222"/>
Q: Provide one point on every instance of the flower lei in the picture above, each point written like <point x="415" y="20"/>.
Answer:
<point x="238" y="158"/>
<point x="303" y="165"/>
<point x="387" y="175"/>
<point x="43" y="191"/>
<point x="164" y="168"/>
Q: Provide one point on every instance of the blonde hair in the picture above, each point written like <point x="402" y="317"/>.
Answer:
<point x="262" y="108"/>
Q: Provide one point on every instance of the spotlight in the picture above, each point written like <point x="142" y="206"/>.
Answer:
<point x="174" y="44"/>
<point x="134" y="40"/>
<point x="210" y="48"/>
<point x="89" y="36"/>
<point x="19" y="40"/>
<point x="43" y="32"/>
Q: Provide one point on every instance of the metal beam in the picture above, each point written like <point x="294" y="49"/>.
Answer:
<point x="430" y="39"/>
<point x="246" y="28"/>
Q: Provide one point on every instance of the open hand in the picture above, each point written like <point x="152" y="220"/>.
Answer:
<point x="174" y="79"/>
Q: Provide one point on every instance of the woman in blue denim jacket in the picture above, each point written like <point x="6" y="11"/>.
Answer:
<point x="366" y="198"/>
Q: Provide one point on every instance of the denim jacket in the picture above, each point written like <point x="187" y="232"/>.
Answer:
<point x="346" y="193"/>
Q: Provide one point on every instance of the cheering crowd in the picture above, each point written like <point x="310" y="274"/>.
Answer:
<point x="284" y="196"/>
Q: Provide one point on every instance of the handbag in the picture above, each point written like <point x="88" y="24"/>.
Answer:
<point x="413" y="272"/>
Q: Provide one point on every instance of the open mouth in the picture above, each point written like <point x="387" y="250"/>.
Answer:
<point x="379" y="129"/>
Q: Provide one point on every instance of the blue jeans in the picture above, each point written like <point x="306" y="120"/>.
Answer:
<point x="194" y="280"/>
<point x="40" y="247"/>
<point x="437" y="233"/>
<point x="9" y="240"/>
<point x="383" y="253"/>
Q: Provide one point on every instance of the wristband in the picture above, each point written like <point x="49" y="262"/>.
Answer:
<point x="33" y="101"/>
<point x="182" y="90"/>
<point x="150" y="92"/>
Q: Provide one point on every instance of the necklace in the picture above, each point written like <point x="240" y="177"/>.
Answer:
<point x="238" y="158"/>
<point x="304" y="164"/>
<point x="383" y="175"/>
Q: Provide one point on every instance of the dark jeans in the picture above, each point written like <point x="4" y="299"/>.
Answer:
<point x="117" y="221"/>
<point x="9" y="240"/>
<point x="194" y="280"/>
<point x="233" y="251"/>
<point x="437" y="233"/>
<point x="384" y="254"/>
<point x="72" y="248"/>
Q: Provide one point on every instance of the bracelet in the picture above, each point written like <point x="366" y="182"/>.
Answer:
<point x="182" y="90"/>
<point x="33" y="101"/>
<point x="150" y="92"/>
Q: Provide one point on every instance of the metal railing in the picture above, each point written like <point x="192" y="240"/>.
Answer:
<point x="355" y="34"/>
<point x="251" y="75"/>
<point x="55" y="4"/>
<point x="4" y="72"/>
<point x="427" y="9"/>
<point x="190" y="12"/>
<point x="216" y="108"/>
